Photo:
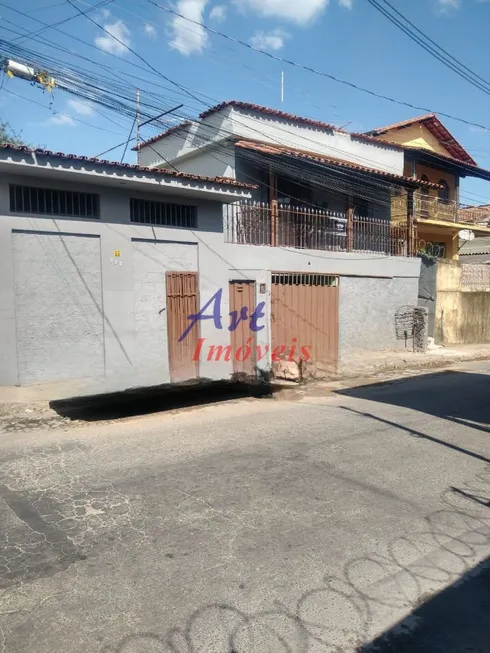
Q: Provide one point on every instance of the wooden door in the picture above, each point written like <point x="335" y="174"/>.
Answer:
<point x="182" y="301"/>
<point x="242" y="294"/>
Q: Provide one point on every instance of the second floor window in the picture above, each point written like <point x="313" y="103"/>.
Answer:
<point x="444" y="192"/>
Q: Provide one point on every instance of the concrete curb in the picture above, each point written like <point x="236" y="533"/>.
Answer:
<point x="368" y="375"/>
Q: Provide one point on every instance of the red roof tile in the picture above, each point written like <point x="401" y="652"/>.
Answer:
<point x="164" y="134"/>
<point x="269" y="112"/>
<point x="267" y="148"/>
<point x="435" y="126"/>
<point x="266" y="111"/>
<point x="224" y="181"/>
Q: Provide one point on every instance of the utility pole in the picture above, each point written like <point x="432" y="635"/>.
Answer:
<point x="138" y="124"/>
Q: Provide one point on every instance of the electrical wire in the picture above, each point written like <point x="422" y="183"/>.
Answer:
<point x="257" y="131"/>
<point x="430" y="46"/>
<point x="134" y="52"/>
<point x="317" y="72"/>
<point x="258" y="74"/>
<point x="162" y="157"/>
<point x="62" y="22"/>
<point x="83" y="122"/>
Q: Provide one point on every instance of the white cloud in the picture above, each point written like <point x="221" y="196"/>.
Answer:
<point x="273" y="40"/>
<point x="218" y="13"/>
<point x="105" y="13"/>
<point x="346" y="3"/>
<point x="61" y="120"/>
<point x="120" y="31"/>
<point x="150" y="30"/>
<point x="82" y="108"/>
<point x="445" y="5"/>
<point x="297" y="11"/>
<point x="189" y="38"/>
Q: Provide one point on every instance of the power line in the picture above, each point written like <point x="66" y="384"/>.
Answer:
<point x="260" y="133"/>
<point x="84" y="122"/>
<point x="61" y="22"/>
<point x="94" y="85"/>
<point x="210" y="139"/>
<point x="130" y="49"/>
<point x="431" y="46"/>
<point x="56" y="46"/>
<point x="320" y="73"/>
<point x="240" y="63"/>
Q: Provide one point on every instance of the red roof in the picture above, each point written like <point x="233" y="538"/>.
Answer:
<point x="224" y="181"/>
<point x="269" y="112"/>
<point x="266" y="111"/>
<point x="437" y="129"/>
<point x="164" y="134"/>
<point x="267" y="148"/>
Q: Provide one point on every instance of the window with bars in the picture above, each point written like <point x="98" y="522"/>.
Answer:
<point x="49" y="201"/>
<point x="298" y="279"/>
<point x="163" y="213"/>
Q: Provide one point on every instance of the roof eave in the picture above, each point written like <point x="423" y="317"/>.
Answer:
<point x="313" y="157"/>
<point x="101" y="169"/>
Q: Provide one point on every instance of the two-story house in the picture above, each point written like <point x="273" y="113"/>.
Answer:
<point x="431" y="153"/>
<point x="320" y="215"/>
<point x="319" y="187"/>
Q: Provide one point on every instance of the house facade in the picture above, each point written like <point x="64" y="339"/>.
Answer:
<point x="100" y="265"/>
<point x="103" y="265"/>
<point x="431" y="153"/>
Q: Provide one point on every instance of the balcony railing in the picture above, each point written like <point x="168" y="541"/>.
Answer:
<point x="430" y="208"/>
<point x="259" y="223"/>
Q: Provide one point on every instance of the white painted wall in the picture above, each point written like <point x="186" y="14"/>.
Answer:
<point x="218" y="161"/>
<point x="132" y="289"/>
<point x="260" y="127"/>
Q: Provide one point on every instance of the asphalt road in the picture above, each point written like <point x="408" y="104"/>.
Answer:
<point x="356" y="521"/>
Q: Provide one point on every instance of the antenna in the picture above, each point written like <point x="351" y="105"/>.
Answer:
<point x="282" y="87"/>
<point x="138" y="123"/>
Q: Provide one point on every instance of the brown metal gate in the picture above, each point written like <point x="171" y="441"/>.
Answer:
<point x="305" y="314"/>
<point x="182" y="301"/>
<point x="242" y="294"/>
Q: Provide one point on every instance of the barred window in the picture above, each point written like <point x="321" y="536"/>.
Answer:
<point x="162" y="213"/>
<point x="298" y="279"/>
<point x="48" y="201"/>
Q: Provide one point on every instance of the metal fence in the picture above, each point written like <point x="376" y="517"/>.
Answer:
<point x="429" y="207"/>
<point x="259" y="223"/>
<point x="475" y="274"/>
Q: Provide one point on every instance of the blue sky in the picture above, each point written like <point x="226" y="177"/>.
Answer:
<point x="347" y="38"/>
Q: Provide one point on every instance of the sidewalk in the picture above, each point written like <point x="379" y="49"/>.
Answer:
<point x="437" y="356"/>
<point x="40" y="407"/>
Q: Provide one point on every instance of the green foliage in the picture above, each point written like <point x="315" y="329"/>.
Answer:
<point x="8" y="135"/>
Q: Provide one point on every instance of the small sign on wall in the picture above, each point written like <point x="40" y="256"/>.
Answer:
<point x="116" y="258"/>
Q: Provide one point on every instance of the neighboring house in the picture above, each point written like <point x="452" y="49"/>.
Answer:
<point x="102" y="263"/>
<point x="479" y="215"/>
<point x="475" y="251"/>
<point x="319" y="187"/>
<point x="432" y="154"/>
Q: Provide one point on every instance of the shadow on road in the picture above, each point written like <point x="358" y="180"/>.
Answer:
<point x="453" y="621"/>
<point x="460" y="397"/>
<point x="144" y="401"/>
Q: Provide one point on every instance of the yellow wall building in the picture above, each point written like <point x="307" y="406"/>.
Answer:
<point x="433" y="154"/>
